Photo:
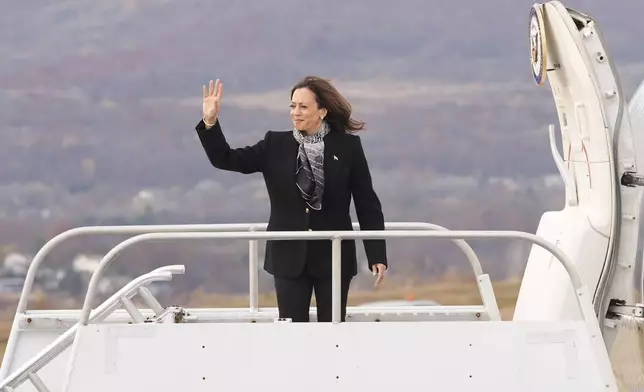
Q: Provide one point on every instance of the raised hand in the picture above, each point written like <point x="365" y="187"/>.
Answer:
<point x="211" y="101"/>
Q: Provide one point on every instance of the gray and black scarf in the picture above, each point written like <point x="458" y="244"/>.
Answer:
<point x="309" y="174"/>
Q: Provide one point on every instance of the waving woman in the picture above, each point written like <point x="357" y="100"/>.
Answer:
<point x="311" y="173"/>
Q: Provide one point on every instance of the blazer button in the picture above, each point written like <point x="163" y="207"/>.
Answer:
<point x="307" y="210"/>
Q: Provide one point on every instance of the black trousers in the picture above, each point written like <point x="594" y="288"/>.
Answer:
<point x="294" y="297"/>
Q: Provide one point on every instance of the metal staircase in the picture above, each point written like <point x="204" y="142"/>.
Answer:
<point x="123" y="297"/>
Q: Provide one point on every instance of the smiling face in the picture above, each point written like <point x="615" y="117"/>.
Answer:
<point x="305" y="112"/>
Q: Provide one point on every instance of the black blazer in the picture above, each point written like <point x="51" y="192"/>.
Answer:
<point x="346" y="174"/>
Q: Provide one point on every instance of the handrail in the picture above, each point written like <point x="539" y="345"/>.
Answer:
<point x="141" y="229"/>
<point x="336" y="237"/>
<point x="124" y="230"/>
<point x="48" y="353"/>
<point x="226" y="227"/>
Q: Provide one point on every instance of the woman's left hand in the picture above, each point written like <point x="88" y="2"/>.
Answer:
<point x="379" y="269"/>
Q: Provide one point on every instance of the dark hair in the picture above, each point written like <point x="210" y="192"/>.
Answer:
<point x="329" y="98"/>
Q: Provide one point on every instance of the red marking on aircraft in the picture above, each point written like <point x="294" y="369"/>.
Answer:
<point x="583" y="148"/>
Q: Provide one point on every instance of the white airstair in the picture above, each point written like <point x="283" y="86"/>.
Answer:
<point x="207" y="348"/>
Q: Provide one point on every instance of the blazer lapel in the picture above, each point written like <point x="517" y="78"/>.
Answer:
<point x="331" y="158"/>
<point x="284" y="165"/>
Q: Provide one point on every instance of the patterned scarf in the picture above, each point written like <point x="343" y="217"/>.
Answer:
<point x="309" y="175"/>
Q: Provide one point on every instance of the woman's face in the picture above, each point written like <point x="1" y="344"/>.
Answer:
<point x="305" y="113"/>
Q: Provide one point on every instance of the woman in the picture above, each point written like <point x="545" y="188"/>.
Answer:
<point x="311" y="173"/>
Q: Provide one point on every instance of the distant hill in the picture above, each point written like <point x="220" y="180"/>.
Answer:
<point x="446" y="85"/>
<point x="98" y="100"/>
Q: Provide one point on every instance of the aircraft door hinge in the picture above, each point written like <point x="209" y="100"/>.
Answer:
<point x="619" y="308"/>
